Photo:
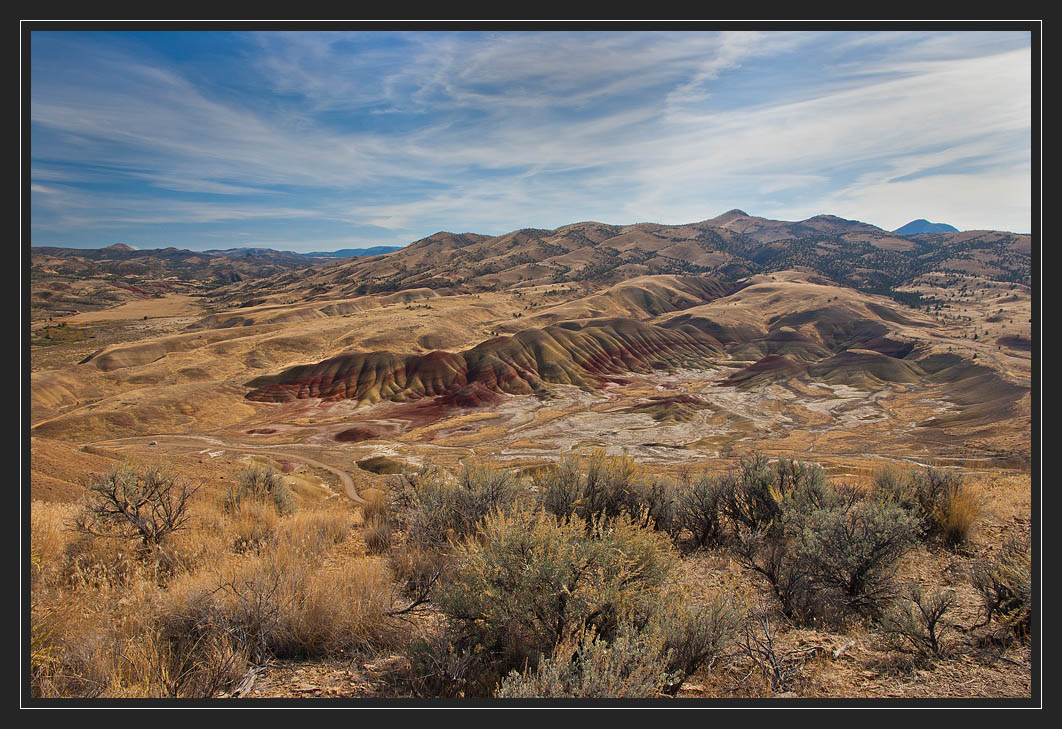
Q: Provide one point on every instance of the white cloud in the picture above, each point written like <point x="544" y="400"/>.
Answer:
<point x="493" y="132"/>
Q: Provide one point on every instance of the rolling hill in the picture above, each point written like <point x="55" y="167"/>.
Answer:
<point x="590" y="255"/>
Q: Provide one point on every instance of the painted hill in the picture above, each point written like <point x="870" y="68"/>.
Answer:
<point x="518" y="365"/>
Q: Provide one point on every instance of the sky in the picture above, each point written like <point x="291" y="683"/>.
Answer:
<point x="314" y="141"/>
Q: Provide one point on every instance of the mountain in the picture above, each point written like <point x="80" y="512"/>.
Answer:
<point x="316" y="256"/>
<point x="355" y="252"/>
<point x="924" y="226"/>
<point x="70" y="280"/>
<point x="591" y="254"/>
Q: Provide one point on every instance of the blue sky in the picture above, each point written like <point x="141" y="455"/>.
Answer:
<point x="324" y="140"/>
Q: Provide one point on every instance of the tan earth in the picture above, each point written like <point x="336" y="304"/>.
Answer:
<point x="680" y="371"/>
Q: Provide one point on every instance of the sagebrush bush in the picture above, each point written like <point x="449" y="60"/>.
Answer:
<point x="630" y="666"/>
<point x="526" y="582"/>
<point x="941" y="500"/>
<point x="1005" y="586"/>
<point x="694" y="636"/>
<point x="828" y="552"/>
<point x="434" y="507"/>
<point x="261" y="483"/>
<point x="601" y="486"/>
<point x="750" y="496"/>
<point x="775" y="558"/>
<point x="663" y="509"/>
<point x="851" y="551"/>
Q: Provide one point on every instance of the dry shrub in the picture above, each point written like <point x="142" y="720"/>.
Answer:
<point x="107" y="624"/>
<point x="50" y="532"/>
<point x="377" y="506"/>
<point x="262" y="483"/>
<point x="947" y="507"/>
<point x="191" y="666"/>
<point x="957" y="516"/>
<point x="197" y="549"/>
<point x="101" y="564"/>
<point x="378" y="535"/>
<point x="281" y="605"/>
<point x="316" y="531"/>
<point x="1005" y="586"/>
<point x="88" y="633"/>
<point x="343" y="609"/>
<point x="253" y="524"/>
<point x="778" y="668"/>
<point x="916" y="623"/>
<point x="145" y="504"/>
<point x="415" y="568"/>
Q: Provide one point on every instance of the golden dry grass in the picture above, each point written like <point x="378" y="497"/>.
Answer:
<point x="109" y="621"/>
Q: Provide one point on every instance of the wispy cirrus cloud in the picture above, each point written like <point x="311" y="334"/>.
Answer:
<point x="386" y="137"/>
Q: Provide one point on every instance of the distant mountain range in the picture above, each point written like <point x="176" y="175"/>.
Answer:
<point x="915" y="227"/>
<point x="216" y="265"/>
<point x="355" y="252"/>
<point x="728" y="247"/>
<point x="342" y="253"/>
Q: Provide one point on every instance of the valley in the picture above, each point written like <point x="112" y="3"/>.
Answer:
<point x="350" y="377"/>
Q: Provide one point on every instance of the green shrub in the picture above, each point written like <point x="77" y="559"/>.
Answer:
<point x="526" y="582"/>
<point x="775" y="558"/>
<point x="629" y="666"/>
<point x="945" y="505"/>
<point x="851" y="551"/>
<point x="693" y="636"/>
<point x="604" y="487"/>
<point x="829" y="553"/>
<point x="435" y="507"/>
<point x="662" y="507"/>
<point x="747" y="498"/>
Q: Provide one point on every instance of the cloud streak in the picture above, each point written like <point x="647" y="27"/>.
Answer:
<point x="389" y="137"/>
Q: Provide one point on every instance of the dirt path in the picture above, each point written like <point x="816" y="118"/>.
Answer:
<point x="344" y="477"/>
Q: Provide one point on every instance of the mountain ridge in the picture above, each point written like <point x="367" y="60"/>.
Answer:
<point x="729" y="246"/>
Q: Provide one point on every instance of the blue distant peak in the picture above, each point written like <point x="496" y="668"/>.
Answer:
<point x="924" y="226"/>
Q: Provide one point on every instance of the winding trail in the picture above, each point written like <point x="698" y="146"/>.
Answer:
<point x="344" y="477"/>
